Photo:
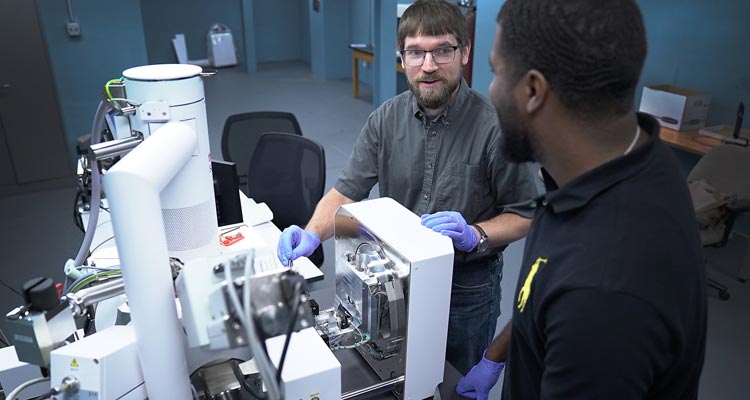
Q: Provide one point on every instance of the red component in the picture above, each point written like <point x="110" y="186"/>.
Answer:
<point x="228" y="240"/>
<point x="59" y="288"/>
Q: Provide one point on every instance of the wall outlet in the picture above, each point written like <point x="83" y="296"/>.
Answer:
<point x="74" y="29"/>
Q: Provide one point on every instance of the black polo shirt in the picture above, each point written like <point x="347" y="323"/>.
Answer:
<point x="611" y="298"/>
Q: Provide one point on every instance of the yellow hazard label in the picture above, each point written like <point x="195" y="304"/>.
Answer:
<point x="74" y="363"/>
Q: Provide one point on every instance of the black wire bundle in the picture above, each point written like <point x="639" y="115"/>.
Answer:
<point x="290" y="329"/>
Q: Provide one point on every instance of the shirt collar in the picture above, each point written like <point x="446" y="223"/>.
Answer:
<point x="578" y="192"/>
<point x="451" y="110"/>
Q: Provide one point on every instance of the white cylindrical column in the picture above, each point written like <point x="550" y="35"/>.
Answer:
<point x="133" y="186"/>
<point x="188" y="204"/>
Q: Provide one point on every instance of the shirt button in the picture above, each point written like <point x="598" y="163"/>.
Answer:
<point x="429" y="166"/>
<point x="544" y="203"/>
<point x="426" y="196"/>
<point x="433" y="133"/>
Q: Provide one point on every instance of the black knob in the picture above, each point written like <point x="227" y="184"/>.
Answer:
<point x="40" y="294"/>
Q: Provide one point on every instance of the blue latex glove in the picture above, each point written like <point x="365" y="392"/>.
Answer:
<point x="453" y="225"/>
<point x="480" y="380"/>
<point x="296" y="242"/>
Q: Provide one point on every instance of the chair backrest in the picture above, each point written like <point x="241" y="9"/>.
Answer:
<point x="725" y="167"/>
<point x="242" y="131"/>
<point x="718" y="185"/>
<point x="288" y="173"/>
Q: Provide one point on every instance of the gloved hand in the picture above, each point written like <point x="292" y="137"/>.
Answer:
<point x="480" y="380"/>
<point x="453" y="225"/>
<point x="296" y="242"/>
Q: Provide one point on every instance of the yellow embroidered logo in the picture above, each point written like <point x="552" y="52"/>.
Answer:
<point x="525" y="292"/>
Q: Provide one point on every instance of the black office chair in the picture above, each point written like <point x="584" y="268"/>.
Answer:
<point x="241" y="133"/>
<point x="721" y="192"/>
<point x="288" y="173"/>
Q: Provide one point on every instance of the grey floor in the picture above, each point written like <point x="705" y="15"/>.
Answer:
<point x="38" y="234"/>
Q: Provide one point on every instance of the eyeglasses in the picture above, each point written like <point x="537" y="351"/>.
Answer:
<point x="441" y="55"/>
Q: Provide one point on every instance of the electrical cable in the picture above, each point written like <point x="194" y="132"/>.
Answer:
<point x="100" y="244"/>
<point x="12" y="395"/>
<point x="243" y="382"/>
<point x="70" y="12"/>
<point x="96" y="132"/>
<point x="292" y="322"/>
<point x="87" y="279"/>
<point x="195" y="392"/>
<point x="106" y="86"/>
<point x="265" y="367"/>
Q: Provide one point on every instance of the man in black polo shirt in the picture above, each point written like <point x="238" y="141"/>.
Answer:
<point x="610" y="302"/>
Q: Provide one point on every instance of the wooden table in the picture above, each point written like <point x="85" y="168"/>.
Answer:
<point x="692" y="141"/>
<point x="364" y="54"/>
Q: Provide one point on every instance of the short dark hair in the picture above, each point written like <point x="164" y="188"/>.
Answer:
<point x="590" y="51"/>
<point x="432" y="18"/>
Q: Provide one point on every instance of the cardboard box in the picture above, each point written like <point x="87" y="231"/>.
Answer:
<point x="675" y="107"/>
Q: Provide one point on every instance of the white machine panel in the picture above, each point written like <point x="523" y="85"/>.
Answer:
<point x="106" y="365"/>
<point x="310" y="371"/>
<point x="380" y="236"/>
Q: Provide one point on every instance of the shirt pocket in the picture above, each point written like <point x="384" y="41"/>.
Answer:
<point x="461" y="188"/>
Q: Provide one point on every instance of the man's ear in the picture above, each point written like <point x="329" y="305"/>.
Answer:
<point x="535" y="90"/>
<point x="465" y="52"/>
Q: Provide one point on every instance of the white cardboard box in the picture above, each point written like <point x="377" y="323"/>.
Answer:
<point x="675" y="107"/>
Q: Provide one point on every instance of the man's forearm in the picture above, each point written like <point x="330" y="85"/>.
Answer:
<point x="322" y="220"/>
<point x="505" y="228"/>
<point x="498" y="350"/>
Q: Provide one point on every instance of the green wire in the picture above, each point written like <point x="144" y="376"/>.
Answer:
<point x="93" y="278"/>
<point x="106" y="86"/>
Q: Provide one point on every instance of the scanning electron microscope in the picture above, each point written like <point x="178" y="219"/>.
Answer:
<point x="212" y="324"/>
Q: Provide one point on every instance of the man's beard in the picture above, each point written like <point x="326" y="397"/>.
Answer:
<point x="433" y="98"/>
<point x="516" y="141"/>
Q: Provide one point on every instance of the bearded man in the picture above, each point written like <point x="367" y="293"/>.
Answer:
<point x="436" y="149"/>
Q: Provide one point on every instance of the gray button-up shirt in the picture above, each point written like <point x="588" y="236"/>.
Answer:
<point x="450" y="163"/>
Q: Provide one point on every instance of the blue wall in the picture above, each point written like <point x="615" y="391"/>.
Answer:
<point x="248" y="36"/>
<point x="702" y="45"/>
<point x="385" y="74"/>
<point x="280" y="31"/>
<point x="484" y="38"/>
<point x="81" y="66"/>
<point x="330" y="56"/>
<point x="162" y="19"/>
<point x="692" y="43"/>
<point x="362" y="28"/>
<point x="306" y="52"/>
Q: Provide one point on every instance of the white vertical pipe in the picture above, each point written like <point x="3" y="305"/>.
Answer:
<point x="133" y="186"/>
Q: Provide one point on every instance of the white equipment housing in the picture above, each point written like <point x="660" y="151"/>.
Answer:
<point x="398" y="291"/>
<point x="105" y="365"/>
<point x="162" y="205"/>
<point x="174" y="93"/>
<point x="310" y="369"/>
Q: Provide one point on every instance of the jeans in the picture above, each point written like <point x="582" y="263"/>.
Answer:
<point x="475" y="306"/>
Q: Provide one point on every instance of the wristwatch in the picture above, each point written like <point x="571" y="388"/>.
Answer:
<point x="484" y="241"/>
